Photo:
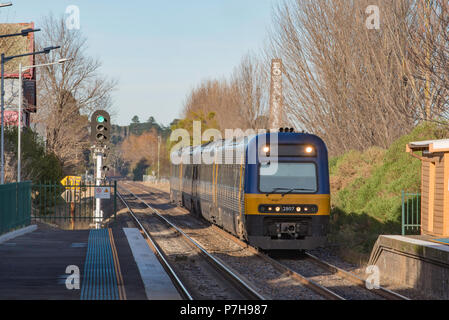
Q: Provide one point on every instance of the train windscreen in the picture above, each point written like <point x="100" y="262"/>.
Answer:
<point x="292" y="177"/>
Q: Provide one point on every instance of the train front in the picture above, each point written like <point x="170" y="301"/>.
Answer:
<point x="287" y="194"/>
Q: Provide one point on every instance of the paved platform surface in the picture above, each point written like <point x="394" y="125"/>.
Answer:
<point x="33" y="266"/>
<point x="158" y="285"/>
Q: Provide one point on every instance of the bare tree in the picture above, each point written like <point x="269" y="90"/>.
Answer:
<point x="211" y="97"/>
<point x="240" y="102"/>
<point x="354" y="86"/>
<point x="430" y="57"/>
<point x="345" y="82"/>
<point x="135" y="148"/>
<point x="251" y="86"/>
<point x="68" y="93"/>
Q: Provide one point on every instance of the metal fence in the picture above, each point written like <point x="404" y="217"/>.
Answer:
<point x="71" y="206"/>
<point x="15" y="206"/>
<point x="411" y="213"/>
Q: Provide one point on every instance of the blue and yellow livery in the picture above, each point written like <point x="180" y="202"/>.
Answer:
<point x="271" y="190"/>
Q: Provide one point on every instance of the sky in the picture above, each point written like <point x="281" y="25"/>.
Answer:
<point x="159" y="50"/>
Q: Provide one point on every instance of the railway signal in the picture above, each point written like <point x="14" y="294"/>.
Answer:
<point x="100" y="134"/>
<point x="100" y="127"/>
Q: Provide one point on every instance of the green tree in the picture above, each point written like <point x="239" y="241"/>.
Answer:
<point x="140" y="170"/>
<point x="135" y="120"/>
<point x="207" y="122"/>
<point x="37" y="164"/>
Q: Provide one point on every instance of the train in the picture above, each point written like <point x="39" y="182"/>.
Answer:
<point x="270" y="189"/>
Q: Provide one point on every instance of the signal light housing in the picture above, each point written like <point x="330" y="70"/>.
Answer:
<point x="100" y="127"/>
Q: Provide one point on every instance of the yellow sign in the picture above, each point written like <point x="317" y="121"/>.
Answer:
<point x="71" y="182"/>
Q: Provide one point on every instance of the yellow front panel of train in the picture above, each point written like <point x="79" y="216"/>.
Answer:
<point x="254" y="201"/>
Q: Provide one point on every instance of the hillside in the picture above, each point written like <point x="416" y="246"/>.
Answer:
<point x="366" y="190"/>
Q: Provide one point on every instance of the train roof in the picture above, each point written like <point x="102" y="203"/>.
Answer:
<point x="243" y="142"/>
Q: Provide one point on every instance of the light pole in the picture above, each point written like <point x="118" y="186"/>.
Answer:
<point x="158" y="156"/>
<point x="5" y="59"/>
<point x="22" y="33"/>
<point x="19" y="143"/>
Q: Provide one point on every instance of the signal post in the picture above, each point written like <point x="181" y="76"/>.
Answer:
<point x="100" y="136"/>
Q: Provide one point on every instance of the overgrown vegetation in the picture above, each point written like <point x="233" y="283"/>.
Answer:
<point x="366" y="189"/>
<point x="38" y="165"/>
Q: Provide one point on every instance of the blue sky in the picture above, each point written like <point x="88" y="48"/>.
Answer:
<point x="159" y="50"/>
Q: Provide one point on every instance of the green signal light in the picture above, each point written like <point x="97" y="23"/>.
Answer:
<point x="100" y="119"/>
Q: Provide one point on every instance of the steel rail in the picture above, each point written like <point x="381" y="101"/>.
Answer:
<point x="161" y="257"/>
<point x="308" y="283"/>
<point x="236" y="279"/>
<point x="282" y="268"/>
<point x="383" y="292"/>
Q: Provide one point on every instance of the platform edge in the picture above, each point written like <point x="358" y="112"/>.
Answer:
<point x="17" y="233"/>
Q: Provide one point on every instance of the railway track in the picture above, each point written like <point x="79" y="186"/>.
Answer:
<point x="382" y="292"/>
<point x="330" y="276"/>
<point x="237" y="288"/>
<point x="326" y="279"/>
<point x="308" y="284"/>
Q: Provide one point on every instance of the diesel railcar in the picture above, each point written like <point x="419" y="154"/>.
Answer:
<point x="271" y="190"/>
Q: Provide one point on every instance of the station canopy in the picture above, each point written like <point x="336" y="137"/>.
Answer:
<point x="429" y="145"/>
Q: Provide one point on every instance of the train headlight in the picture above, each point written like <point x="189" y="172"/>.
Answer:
<point x="266" y="149"/>
<point x="309" y="150"/>
<point x="278" y="209"/>
<point x="298" y="209"/>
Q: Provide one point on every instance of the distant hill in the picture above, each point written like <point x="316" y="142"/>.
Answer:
<point x="119" y="133"/>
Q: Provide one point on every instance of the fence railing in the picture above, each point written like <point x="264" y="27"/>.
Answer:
<point x="15" y="206"/>
<point x="68" y="205"/>
<point x="411" y="212"/>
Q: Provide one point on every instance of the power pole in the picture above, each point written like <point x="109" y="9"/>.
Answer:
<point x="99" y="162"/>
<point x="276" y="96"/>
<point x="158" y="156"/>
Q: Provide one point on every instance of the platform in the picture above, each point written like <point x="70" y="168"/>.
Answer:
<point x="414" y="262"/>
<point x="44" y="264"/>
<point x="444" y="241"/>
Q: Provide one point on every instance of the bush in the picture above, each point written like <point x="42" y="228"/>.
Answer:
<point x="37" y="164"/>
<point x="366" y="189"/>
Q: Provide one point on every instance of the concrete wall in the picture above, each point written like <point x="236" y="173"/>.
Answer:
<point x="413" y="263"/>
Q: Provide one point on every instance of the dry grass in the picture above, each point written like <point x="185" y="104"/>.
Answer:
<point x="355" y="165"/>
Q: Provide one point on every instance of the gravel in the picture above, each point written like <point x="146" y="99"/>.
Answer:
<point x="264" y="277"/>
